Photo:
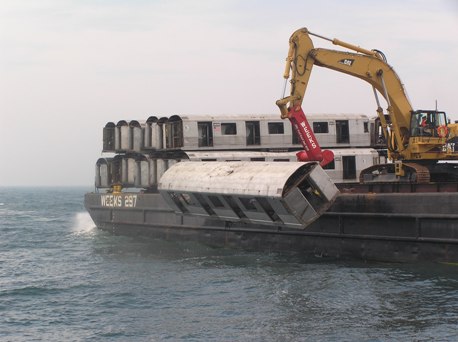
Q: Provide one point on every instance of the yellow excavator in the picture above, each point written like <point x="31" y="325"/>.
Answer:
<point x="416" y="139"/>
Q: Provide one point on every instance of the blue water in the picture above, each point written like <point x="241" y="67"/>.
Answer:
<point x="61" y="279"/>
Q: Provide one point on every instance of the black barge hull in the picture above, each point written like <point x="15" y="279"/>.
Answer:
<point x="394" y="227"/>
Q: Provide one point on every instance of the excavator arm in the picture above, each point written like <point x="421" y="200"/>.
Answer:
<point x="404" y="143"/>
<point x="416" y="140"/>
<point x="367" y="65"/>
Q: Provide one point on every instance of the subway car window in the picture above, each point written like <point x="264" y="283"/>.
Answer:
<point x="320" y="127"/>
<point x="276" y="128"/>
<point x="228" y="129"/>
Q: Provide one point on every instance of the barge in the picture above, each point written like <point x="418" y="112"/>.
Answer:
<point x="136" y="194"/>
<point x="393" y="227"/>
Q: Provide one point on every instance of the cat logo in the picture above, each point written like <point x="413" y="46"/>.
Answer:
<point x="347" y="62"/>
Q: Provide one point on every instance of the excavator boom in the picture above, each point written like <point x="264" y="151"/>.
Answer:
<point x="403" y="140"/>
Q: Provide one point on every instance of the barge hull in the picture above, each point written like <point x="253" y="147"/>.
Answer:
<point x="394" y="227"/>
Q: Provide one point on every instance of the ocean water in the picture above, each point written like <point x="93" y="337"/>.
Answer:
<point x="61" y="279"/>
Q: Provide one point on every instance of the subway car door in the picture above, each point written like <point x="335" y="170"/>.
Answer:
<point x="349" y="167"/>
<point x="342" y="131"/>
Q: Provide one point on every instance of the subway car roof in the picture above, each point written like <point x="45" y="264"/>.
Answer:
<point x="273" y="117"/>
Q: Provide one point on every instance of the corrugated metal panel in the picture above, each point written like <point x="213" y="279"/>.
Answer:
<point x="243" y="178"/>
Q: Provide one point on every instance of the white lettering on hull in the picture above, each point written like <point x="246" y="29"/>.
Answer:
<point x="118" y="201"/>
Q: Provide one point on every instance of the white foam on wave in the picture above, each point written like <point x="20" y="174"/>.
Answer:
<point x="83" y="224"/>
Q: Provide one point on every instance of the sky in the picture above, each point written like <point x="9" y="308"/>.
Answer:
<point x="67" y="67"/>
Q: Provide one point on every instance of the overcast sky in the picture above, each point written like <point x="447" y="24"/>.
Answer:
<point x="67" y="67"/>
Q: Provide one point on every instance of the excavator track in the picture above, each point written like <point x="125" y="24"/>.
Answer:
<point x="385" y="173"/>
<point x="422" y="175"/>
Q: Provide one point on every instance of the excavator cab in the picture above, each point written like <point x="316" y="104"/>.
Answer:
<point x="428" y="123"/>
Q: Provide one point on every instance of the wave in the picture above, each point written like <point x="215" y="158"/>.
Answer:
<point x="83" y="224"/>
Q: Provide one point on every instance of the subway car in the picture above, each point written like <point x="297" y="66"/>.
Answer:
<point x="145" y="150"/>
<point x="233" y="132"/>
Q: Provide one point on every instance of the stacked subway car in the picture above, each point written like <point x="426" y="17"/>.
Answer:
<point x="139" y="152"/>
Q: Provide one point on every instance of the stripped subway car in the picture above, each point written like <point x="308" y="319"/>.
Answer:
<point x="143" y="151"/>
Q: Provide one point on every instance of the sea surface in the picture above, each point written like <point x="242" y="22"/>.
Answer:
<point x="62" y="279"/>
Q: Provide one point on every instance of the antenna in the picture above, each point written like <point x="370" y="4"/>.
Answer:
<point x="436" y="105"/>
